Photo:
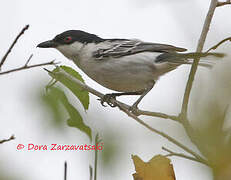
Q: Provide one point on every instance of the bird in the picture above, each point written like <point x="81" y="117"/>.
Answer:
<point x="128" y="66"/>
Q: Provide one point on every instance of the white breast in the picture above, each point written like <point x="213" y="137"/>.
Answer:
<point x="125" y="74"/>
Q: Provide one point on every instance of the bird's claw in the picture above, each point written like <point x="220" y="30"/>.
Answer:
<point x="107" y="99"/>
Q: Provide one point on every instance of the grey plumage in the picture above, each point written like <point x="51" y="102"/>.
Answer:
<point x="129" y="66"/>
<point x="127" y="47"/>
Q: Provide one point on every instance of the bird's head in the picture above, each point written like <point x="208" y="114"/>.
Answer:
<point x="69" y="43"/>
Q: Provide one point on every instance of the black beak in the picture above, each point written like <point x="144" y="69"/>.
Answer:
<point x="48" y="44"/>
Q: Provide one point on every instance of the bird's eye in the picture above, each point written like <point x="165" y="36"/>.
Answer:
<point x="67" y="39"/>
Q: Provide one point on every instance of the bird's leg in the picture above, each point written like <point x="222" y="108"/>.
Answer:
<point x="106" y="98"/>
<point x="133" y="108"/>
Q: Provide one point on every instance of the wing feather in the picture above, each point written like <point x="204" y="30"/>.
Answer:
<point x="124" y="47"/>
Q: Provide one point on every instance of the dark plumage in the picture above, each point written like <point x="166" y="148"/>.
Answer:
<point x="77" y="35"/>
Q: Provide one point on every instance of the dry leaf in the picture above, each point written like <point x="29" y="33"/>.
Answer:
<point x="158" y="168"/>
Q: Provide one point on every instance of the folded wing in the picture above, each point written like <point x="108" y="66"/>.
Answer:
<point x="124" y="47"/>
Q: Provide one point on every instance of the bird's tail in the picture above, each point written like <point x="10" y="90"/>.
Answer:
<point x="187" y="58"/>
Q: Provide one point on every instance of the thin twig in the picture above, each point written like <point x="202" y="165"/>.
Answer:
<point x="219" y="4"/>
<point x="171" y="153"/>
<point x="183" y="118"/>
<point x="218" y="44"/>
<point x="124" y="108"/>
<point x="200" y="46"/>
<point x="65" y="170"/>
<point x="28" y="67"/>
<point x="12" y="45"/>
<point x="28" y="60"/>
<point x="169" y="138"/>
<point x="12" y="137"/>
<point x="157" y="114"/>
<point x="183" y="115"/>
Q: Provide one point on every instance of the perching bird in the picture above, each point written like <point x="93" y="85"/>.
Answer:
<point x="129" y="66"/>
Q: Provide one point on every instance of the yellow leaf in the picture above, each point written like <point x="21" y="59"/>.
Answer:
<point x="158" y="168"/>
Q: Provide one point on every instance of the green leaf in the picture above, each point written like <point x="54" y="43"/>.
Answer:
<point x="75" y="119"/>
<point x="79" y="124"/>
<point x="82" y="95"/>
<point x="51" y="103"/>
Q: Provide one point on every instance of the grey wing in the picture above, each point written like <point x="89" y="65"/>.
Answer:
<point x="126" y="47"/>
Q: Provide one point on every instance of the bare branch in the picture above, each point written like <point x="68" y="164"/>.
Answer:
<point x="125" y="108"/>
<point x="171" y="153"/>
<point x="200" y="46"/>
<point x="28" y="67"/>
<point x="218" y="44"/>
<point x="169" y="138"/>
<point x="183" y="115"/>
<point x="219" y="4"/>
<point x="28" y="60"/>
<point x="157" y="114"/>
<point x="12" y="137"/>
<point x="12" y="45"/>
<point x="191" y="132"/>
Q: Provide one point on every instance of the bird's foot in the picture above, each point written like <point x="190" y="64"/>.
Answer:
<point x="107" y="99"/>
